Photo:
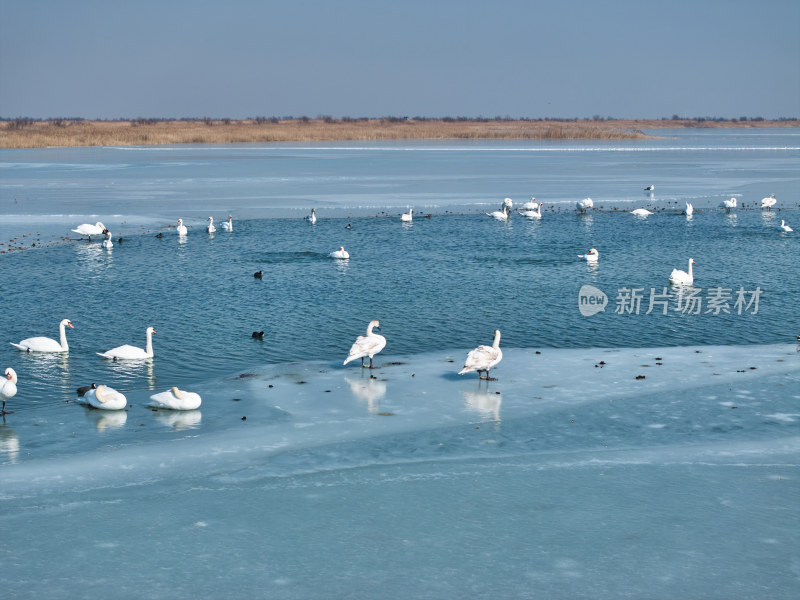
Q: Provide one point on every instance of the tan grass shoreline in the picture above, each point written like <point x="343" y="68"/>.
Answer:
<point x="144" y="132"/>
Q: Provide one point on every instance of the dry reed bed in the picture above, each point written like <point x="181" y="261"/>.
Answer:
<point x="135" y="133"/>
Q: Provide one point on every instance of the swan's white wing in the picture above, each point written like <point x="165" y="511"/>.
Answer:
<point x="482" y="357"/>
<point x="39" y="344"/>
<point x="365" y="345"/>
<point x="126" y="351"/>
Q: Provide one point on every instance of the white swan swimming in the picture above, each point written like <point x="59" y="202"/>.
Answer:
<point x="679" y="277"/>
<point x="689" y="209"/>
<point x="483" y="358"/>
<point x="227" y="225"/>
<point x="312" y="218"/>
<point x="8" y="388"/>
<point x="104" y="398"/>
<point x="181" y="228"/>
<point x="584" y="205"/>
<point x="728" y="204"/>
<point x="407" y="217"/>
<point x="127" y="352"/>
<point x="500" y="215"/>
<point x="210" y="227"/>
<point x="534" y="213"/>
<point x="530" y="204"/>
<point x="340" y="253"/>
<point x="45" y="344"/>
<point x="89" y="230"/>
<point x="641" y="212"/>
<point x="107" y="243"/>
<point x="367" y="345"/>
<point x="785" y="227"/>
<point x="768" y="202"/>
<point x="175" y="399"/>
<point x="591" y="256"/>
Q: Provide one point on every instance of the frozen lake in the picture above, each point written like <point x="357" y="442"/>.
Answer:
<point x="642" y="453"/>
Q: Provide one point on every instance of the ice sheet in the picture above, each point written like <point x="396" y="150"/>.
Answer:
<point x="567" y="477"/>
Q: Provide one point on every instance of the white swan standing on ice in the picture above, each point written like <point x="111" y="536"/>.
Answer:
<point x="785" y="227"/>
<point x="530" y="204"/>
<point x="312" y="218"/>
<point x="500" y="215"/>
<point x="641" y="212"/>
<point x="175" y="399"/>
<point x="104" y="398"/>
<point x="45" y="344"/>
<point x="407" y="217"/>
<point x="128" y="352"/>
<point x="768" y="202"/>
<point x="728" y="204"/>
<point x="584" y="205"/>
<point x="89" y="230"/>
<point x="679" y="277"/>
<point x="649" y="188"/>
<point x="367" y="345"/>
<point x="689" y="209"/>
<point x="340" y="253"/>
<point x="591" y="256"/>
<point x="181" y="228"/>
<point x="210" y="227"/>
<point x="534" y="213"/>
<point x="227" y="225"/>
<point x="8" y="388"/>
<point x="483" y="358"/>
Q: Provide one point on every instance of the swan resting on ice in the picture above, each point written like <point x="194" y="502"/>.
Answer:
<point x="678" y="277"/>
<point x="175" y="399"/>
<point x="583" y="205"/>
<point x="128" y="352"/>
<point x="45" y="344"/>
<point x="8" y="389"/>
<point x="483" y="358"/>
<point x="641" y="212"/>
<point x="104" y="398"/>
<point x="367" y="345"/>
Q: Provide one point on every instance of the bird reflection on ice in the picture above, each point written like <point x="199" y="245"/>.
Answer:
<point x="9" y="444"/>
<point x="178" y="419"/>
<point x="483" y="402"/>
<point x="106" y="419"/>
<point x="368" y="390"/>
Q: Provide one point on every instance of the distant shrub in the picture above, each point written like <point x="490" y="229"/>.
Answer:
<point x="20" y="123"/>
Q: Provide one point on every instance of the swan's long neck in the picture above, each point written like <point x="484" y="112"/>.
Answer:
<point x="149" y="347"/>
<point x="496" y="343"/>
<point x="690" y="268"/>
<point x="62" y="330"/>
<point x="100" y="394"/>
<point x="177" y="393"/>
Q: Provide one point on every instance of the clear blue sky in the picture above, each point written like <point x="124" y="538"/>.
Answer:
<point x="520" y="58"/>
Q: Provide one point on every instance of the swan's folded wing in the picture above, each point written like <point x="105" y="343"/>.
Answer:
<point x="480" y="358"/>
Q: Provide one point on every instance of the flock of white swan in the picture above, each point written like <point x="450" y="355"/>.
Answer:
<point x="479" y="360"/>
